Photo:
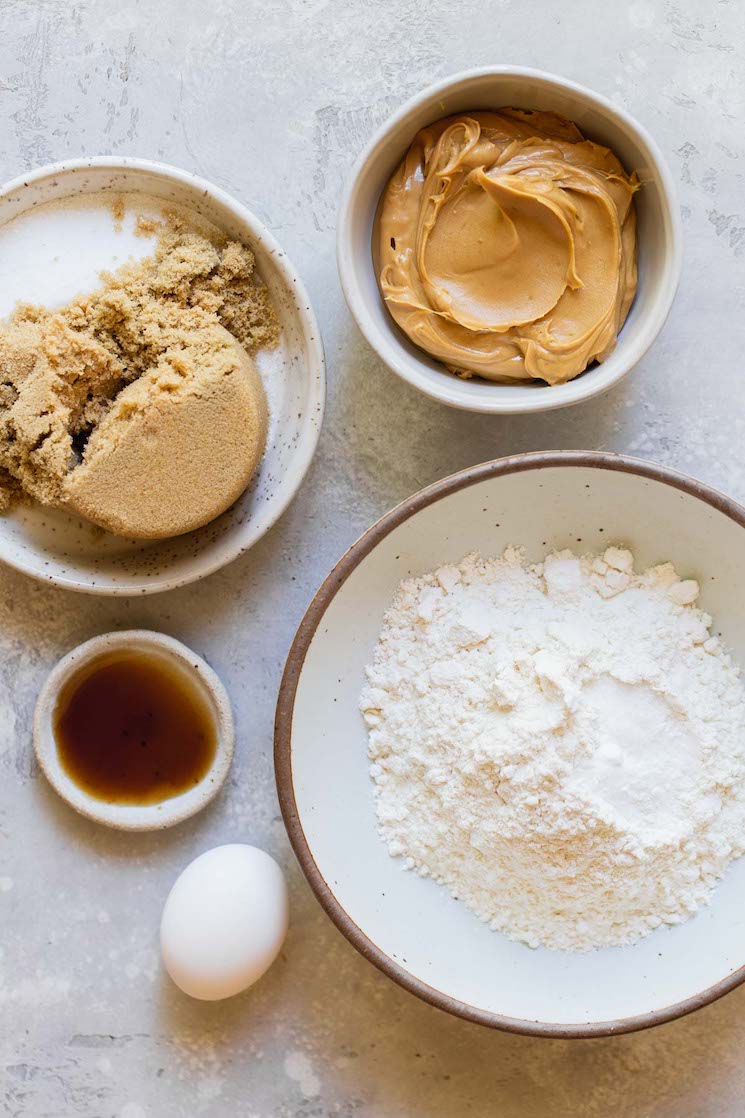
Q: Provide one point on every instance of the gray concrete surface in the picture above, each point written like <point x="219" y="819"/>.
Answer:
<point x="272" y="101"/>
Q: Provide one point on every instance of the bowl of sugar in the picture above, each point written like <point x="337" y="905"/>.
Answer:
<point x="509" y="744"/>
<point x="63" y="229"/>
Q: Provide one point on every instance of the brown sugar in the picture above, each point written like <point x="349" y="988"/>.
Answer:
<point x="118" y="210"/>
<point x="150" y="374"/>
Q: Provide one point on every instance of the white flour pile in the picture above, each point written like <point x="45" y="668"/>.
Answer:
<point x="562" y="746"/>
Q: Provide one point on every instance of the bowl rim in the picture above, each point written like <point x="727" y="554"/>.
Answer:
<point x="307" y="443"/>
<point x="575" y="391"/>
<point x="351" y="559"/>
<point x="134" y="817"/>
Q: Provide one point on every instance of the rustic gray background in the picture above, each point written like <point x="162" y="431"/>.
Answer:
<point x="272" y="101"/>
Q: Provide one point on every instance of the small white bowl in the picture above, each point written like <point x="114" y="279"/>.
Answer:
<point x="407" y="925"/>
<point x="60" y="548"/>
<point x="132" y="817"/>
<point x="659" y="234"/>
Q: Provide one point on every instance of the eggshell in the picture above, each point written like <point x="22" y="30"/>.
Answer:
<point x="224" y="921"/>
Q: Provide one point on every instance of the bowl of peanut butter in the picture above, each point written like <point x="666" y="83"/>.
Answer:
<point x="510" y="242"/>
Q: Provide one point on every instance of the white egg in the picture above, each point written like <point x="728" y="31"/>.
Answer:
<point x="224" y="921"/>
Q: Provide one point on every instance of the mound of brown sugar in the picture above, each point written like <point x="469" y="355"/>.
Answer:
<point x="143" y="382"/>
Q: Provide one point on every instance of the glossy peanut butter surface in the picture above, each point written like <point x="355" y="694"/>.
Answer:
<point x="507" y="246"/>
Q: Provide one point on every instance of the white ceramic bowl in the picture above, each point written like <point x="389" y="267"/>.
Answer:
<point x="132" y="817"/>
<point x="408" y="926"/>
<point x="62" y="549"/>
<point x="659" y="233"/>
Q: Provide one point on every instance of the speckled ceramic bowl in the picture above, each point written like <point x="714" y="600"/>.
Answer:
<point x="408" y="926"/>
<point x="132" y="817"/>
<point x="659" y="234"/>
<point x="69" y="552"/>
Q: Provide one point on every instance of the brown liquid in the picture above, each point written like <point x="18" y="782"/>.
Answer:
<point x="133" y="728"/>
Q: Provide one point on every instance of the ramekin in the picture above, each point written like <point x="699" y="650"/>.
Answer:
<point x="135" y="817"/>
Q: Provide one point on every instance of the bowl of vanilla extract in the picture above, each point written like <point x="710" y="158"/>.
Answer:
<point x="134" y="730"/>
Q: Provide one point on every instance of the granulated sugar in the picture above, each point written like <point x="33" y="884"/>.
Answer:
<point x="562" y="746"/>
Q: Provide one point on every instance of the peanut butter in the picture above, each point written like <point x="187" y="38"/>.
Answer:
<point x="507" y="246"/>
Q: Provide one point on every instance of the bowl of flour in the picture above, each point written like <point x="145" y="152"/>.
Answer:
<point x="510" y="744"/>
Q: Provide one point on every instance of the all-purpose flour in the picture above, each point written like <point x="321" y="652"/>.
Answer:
<point x="562" y="746"/>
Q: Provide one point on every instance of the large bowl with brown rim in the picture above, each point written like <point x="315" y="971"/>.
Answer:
<point x="408" y="926"/>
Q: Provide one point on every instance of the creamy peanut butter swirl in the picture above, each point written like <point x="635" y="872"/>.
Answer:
<point x="507" y="246"/>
